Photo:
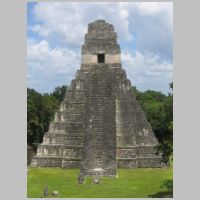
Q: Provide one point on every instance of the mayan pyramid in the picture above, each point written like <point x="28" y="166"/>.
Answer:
<point x="100" y="125"/>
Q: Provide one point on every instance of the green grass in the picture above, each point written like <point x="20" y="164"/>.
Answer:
<point x="129" y="184"/>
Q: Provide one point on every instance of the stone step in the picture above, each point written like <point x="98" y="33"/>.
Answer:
<point x="97" y="119"/>
<point x="97" y="123"/>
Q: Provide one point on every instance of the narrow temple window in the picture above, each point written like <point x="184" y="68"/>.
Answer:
<point x="101" y="58"/>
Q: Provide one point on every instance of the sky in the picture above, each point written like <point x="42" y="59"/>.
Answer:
<point x="55" y="33"/>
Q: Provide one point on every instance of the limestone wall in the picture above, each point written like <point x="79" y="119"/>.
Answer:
<point x="92" y="59"/>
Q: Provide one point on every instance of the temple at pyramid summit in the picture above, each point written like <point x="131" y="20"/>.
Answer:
<point x="99" y="126"/>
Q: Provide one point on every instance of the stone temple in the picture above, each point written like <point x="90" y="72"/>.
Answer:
<point x="100" y="126"/>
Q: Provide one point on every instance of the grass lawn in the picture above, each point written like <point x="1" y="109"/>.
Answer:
<point x="130" y="183"/>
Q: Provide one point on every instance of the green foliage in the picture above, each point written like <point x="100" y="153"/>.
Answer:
<point x="34" y="116"/>
<point x="130" y="183"/>
<point x="59" y="92"/>
<point x="168" y="185"/>
<point x="40" y="112"/>
<point x="50" y="105"/>
<point x="158" y="109"/>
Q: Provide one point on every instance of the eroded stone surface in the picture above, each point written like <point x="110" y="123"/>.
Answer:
<point x="100" y="125"/>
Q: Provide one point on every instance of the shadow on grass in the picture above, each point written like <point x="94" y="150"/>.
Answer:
<point x="161" y="195"/>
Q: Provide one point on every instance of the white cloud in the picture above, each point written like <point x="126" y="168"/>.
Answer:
<point x="148" y="8"/>
<point x="41" y="30"/>
<point x="68" y="21"/>
<point x="146" y="71"/>
<point x="152" y="23"/>
<point x="59" y="29"/>
<point x="59" y="21"/>
<point x="50" y="64"/>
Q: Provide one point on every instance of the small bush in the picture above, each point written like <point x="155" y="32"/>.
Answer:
<point x="168" y="185"/>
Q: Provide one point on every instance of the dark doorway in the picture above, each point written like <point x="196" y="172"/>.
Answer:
<point x="101" y="58"/>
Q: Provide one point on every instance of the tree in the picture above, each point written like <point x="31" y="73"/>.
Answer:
<point x="158" y="109"/>
<point x="34" y="116"/>
<point x="59" y="92"/>
<point x="40" y="112"/>
<point x="166" y="144"/>
<point x="49" y="106"/>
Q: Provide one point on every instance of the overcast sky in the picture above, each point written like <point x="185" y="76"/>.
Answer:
<point x="55" y="33"/>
